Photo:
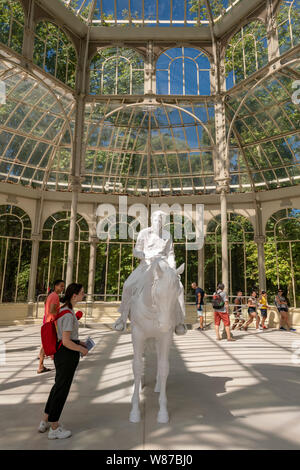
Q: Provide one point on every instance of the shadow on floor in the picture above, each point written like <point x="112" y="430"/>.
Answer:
<point x="201" y="415"/>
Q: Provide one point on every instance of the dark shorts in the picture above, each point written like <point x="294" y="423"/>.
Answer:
<point x="251" y="310"/>
<point x="222" y="316"/>
<point x="283" y="309"/>
<point x="264" y="312"/>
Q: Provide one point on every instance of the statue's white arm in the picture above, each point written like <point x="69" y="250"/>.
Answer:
<point x="170" y="254"/>
<point x="138" y="250"/>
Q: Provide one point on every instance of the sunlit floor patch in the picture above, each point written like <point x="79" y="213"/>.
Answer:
<point x="242" y="395"/>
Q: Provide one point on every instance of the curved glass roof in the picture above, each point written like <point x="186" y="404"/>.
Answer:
<point x="136" y="146"/>
<point x="150" y="12"/>
<point x="265" y="138"/>
<point x="36" y="131"/>
<point x="165" y="149"/>
<point x="160" y="151"/>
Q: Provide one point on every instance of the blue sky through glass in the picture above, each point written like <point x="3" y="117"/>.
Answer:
<point x="160" y="12"/>
<point x="153" y="12"/>
<point x="183" y="71"/>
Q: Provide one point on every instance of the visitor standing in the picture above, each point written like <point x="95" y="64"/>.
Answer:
<point x="200" y="294"/>
<point x="237" y="311"/>
<point x="51" y="310"/>
<point x="221" y="311"/>
<point x="252" y="311"/>
<point x="66" y="360"/>
<point x="263" y="303"/>
<point x="283" y="310"/>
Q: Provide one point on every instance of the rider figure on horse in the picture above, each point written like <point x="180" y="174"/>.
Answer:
<point x="152" y="243"/>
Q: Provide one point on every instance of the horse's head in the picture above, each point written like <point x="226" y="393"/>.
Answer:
<point x="165" y="293"/>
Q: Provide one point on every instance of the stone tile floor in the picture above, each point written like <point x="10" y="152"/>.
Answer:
<point x="242" y="395"/>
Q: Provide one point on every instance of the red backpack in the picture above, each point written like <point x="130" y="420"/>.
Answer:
<point x="217" y="301"/>
<point x="49" y="334"/>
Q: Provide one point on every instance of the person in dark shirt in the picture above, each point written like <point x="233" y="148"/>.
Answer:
<point x="200" y="294"/>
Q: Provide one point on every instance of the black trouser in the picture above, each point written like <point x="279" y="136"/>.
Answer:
<point x="66" y="362"/>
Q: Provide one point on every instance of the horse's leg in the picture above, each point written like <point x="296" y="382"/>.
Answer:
<point x="157" y="386"/>
<point x="138" y="341"/>
<point x="163" y="370"/>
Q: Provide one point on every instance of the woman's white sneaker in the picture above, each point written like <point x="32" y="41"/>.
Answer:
<point x="59" y="433"/>
<point x="44" y="426"/>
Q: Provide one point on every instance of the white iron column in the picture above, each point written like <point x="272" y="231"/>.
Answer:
<point x="223" y="201"/>
<point x="28" y="39"/>
<point x="33" y="273"/>
<point x="92" y="272"/>
<point x="222" y="180"/>
<point x="221" y="159"/>
<point x="150" y="75"/>
<point x="35" y="237"/>
<point x="77" y="167"/>
<point x="201" y="268"/>
<point x="75" y="186"/>
<point x="272" y="32"/>
<point x="260" y="241"/>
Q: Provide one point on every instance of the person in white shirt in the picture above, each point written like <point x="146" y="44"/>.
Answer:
<point x="152" y="243"/>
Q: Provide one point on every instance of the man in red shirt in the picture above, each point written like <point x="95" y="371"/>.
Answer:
<point x="51" y="310"/>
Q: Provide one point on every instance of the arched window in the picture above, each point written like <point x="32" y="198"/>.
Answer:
<point x="288" y="24"/>
<point x="53" y="252"/>
<point x="183" y="71"/>
<point x="117" y="71"/>
<point x="115" y="260"/>
<point x="183" y="226"/>
<point x="15" y="253"/>
<point x="181" y="150"/>
<point x="55" y="53"/>
<point x="12" y="24"/>
<point x="282" y="254"/>
<point x="246" y="53"/>
<point x="242" y="255"/>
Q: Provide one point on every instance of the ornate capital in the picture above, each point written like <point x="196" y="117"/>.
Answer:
<point x="222" y="185"/>
<point x="36" y="237"/>
<point x="75" y="183"/>
<point x="260" y="239"/>
<point x="94" y="240"/>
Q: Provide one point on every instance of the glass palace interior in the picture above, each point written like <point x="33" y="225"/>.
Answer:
<point x="165" y="102"/>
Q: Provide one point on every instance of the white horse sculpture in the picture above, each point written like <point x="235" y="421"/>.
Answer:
<point x="153" y="315"/>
